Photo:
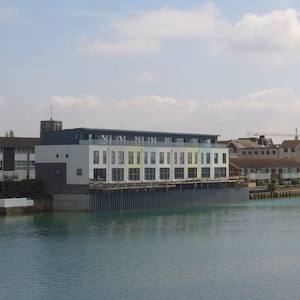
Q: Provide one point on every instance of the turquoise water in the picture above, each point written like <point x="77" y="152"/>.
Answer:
<point x="248" y="250"/>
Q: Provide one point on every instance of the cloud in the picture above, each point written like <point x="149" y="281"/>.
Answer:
<point x="123" y="47"/>
<point x="9" y="14"/>
<point x="147" y="77"/>
<point x="274" y="36"/>
<point x="143" y="34"/>
<point x="274" y="110"/>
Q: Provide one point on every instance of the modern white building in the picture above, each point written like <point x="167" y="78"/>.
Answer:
<point x="81" y="156"/>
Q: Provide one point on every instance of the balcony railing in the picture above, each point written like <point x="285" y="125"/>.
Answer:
<point x="149" y="144"/>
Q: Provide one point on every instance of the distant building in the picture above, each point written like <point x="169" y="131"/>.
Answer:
<point x="251" y="148"/>
<point x="17" y="159"/>
<point x="50" y="125"/>
<point x="264" y="170"/>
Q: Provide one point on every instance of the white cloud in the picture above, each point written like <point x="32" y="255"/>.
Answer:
<point x="8" y="14"/>
<point x="273" y="37"/>
<point x="274" y="110"/>
<point x="123" y="47"/>
<point x="147" y="77"/>
<point x="144" y="33"/>
<point x="171" y="23"/>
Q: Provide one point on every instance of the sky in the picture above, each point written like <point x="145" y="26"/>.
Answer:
<point x="223" y="67"/>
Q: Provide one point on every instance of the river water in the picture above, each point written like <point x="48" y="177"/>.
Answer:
<point x="245" y="250"/>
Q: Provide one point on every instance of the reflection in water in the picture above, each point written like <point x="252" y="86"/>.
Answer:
<point x="246" y="250"/>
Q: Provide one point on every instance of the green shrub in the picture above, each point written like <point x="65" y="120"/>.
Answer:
<point x="272" y="186"/>
<point x="30" y="187"/>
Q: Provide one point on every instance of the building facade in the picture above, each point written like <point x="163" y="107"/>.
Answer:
<point x="17" y="158"/>
<point x="81" y="156"/>
<point x="264" y="170"/>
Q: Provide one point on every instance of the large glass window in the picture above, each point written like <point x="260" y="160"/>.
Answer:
<point x="145" y="157"/>
<point x="220" y="172"/>
<point x="205" y="172"/>
<point x="121" y="157"/>
<point x="224" y="158"/>
<point x="117" y="174"/>
<point x="168" y="158"/>
<point x="149" y="173"/>
<point x="216" y="158"/>
<point x="96" y="157"/>
<point x="21" y="165"/>
<point x="196" y="157"/>
<point x="179" y="173"/>
<point x="152" y="158"/>
<point x="202" y="158"/>
<point x="100" y="174"/>
<point x="130" y="157"/>
<point x="192" y="172"/>
<point x="104" y="157"/>
<point x="134" y="174"/>
<point x="208" y="158"/>
<point x="138" y="157"/>
<point x="113" y="157"/>
<point x="161" y="158"/>
<point x="175" y="158"/>
<point x="190" y="157"/>
<point x="164" y="173"/>
<point x="182" y="157"/>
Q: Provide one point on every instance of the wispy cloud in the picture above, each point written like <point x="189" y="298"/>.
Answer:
<point x="9" y="14"/>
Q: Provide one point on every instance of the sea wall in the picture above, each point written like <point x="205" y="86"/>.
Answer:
<point x="135" y="200"/>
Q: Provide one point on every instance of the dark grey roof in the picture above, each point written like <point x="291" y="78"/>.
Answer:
<point x="257" y="163"/>
<point x="18" y="142"/>
<point x="67" y="136"/>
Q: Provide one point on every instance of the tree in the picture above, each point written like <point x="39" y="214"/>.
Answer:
<point x="9" y="133"/>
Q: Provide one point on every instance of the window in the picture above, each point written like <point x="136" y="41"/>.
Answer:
<point x="96" y="157"/>
<point x="202" y="158"/>
<point x="262" y="152"/>
<point x="57" y="155"/>
<point x="134" y="174"/>
<point x="192" y="172"/>
<point x="285" y="150"/>
<point x="149" y="173"/>
<point x="67" y="155"/>
<point x="175" y="158"/>
<point x="208" y="158"/>
<point x="152" y="158"/>
<point x="196" y="157"/>
<point x="104" y="157"/>
<point x="21" y="165"/>
<point x="161" y="157"/>
<point x="79" y="172"/>
<point x="58" y="172"/>
<point x="1" y="164"/>
<point x="224" y="158"/>
<point x="32" y="165"/>
<point x="216" y="158"/>
<point x="205" y="172"/>
<point x="182" y="157"/>
<point x="138" y="157"/>
<point x="100" y="174"/>
<point x="121" y="157"/>
<point x="220" y="172"/>
<point x="164" y="173"/>
<point x="130" y="157"/>
<point x="255" y="152"/>
<point x="145" y="157"/>
<point x="168" y="158"/>
<point x="274" y="152"/>
<point x="113" y="157"/>
<point x="190" y="158"/>
<point x="117" y="174"/>
<point x="179" y="173"/>
<point x="293" y="149"/>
